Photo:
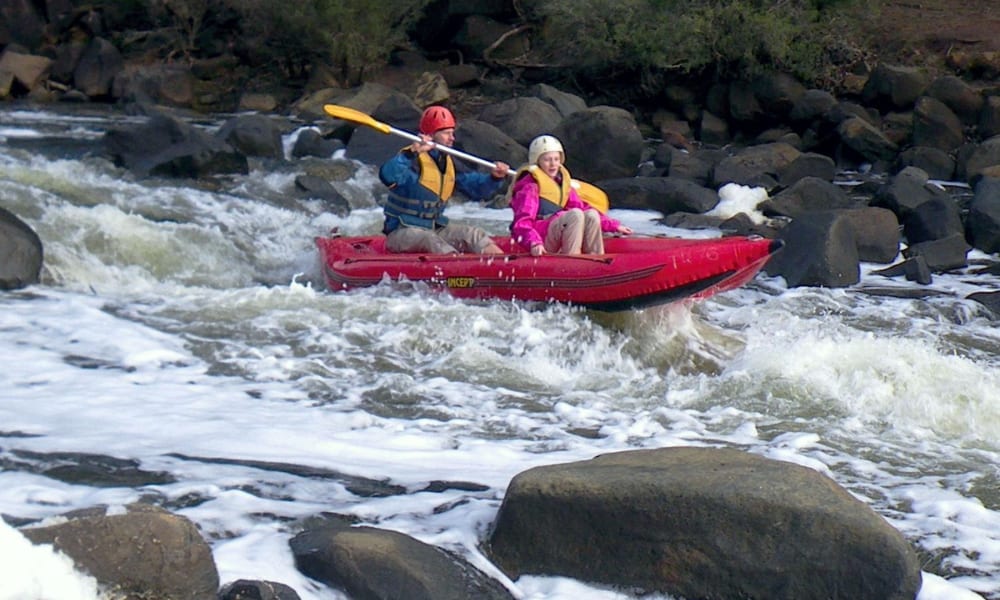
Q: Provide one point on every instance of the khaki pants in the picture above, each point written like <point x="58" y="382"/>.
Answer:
<point x="575" y="231"/>
<point x="450" y="239"/>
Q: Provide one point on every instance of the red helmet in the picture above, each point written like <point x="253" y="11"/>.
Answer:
<point x="436" y="118"/>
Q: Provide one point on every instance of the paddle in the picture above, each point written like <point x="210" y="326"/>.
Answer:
<point x="589" y="193"/>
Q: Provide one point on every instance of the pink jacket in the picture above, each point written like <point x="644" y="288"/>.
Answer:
<point x="527" y="230"/>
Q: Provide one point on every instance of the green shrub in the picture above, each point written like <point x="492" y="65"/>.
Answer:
<point x="652" y="40"/>
<point x="352" y="36"/>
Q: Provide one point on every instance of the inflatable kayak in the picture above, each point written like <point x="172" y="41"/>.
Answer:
<point x="634" y="272"/>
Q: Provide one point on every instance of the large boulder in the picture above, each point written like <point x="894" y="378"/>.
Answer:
<point x="820" y="250"/>
<point x="20" y="252"/>
<point x="988" y="122"/>
<point x="983" y="222"/>
<point x="876" y="233"/>
<point x="252" y="589"/>
<point x="378" y="564"/>
<point x="936" y="126"/>
<point x="978" y="158"/>
<point x="144" y="552"/>
<point x="701" y="523"/>
<point x="905" y="191"/>
<point x="807" y="194"/>
<point x="481" y="139"/>
<point x="936" y="219"/>
<point x="601" y="142"/>
<point x="963" y="99"/>
<point x="169" y="147"/>
<point x="170" y="85"/>
<point x="938" y="164"/>
<point x="371" y="146"/>
<point x="95" y="72"/>
<point x="254" y="135"/>
<point x="663" y="194"/>
<point x="867" y="140"/>
<point x="523" y="118"/>
<point x="749" y="165"/>
<point x="27" y="69"/>
<point x="892" y="87"/>
<point x="564" y="102"/>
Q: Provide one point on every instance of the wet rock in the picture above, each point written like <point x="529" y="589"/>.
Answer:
<point x="317" y="187"/>
<point x="362" y="486"/>
<point x="245" y="589"/>
<point x="254" y="135"/>
<point x="941" y="255"/>
<point x="990" y="300"/>
<point x="748" y="165"/>
<point x="663" y="194"/>
<point x="377" y="564"/>
<point x="312" y="143"/>
<point x="167" y="146"/>
<point x="876" y="233"/>
<point x="807" y="194"/>
<point x="936" y="219"/>
<point x="701" y="523"/>
<point x="21" y="252"/>
<point x="820" y="250"/>
<point x="96" y="470"/>
<point x="983" y="222"/>
<point x="904" y="192"/>
<point x="143" y="552"/>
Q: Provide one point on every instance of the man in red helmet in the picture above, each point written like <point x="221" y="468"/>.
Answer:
<point x="421" y="179"/>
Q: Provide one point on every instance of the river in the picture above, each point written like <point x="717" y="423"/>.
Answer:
<point x="177" y="320"/>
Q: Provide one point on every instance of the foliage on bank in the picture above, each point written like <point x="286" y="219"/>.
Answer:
<point x="651" y="40"/>
<point x="351" y="37"/>
<point x="594" y="42"/>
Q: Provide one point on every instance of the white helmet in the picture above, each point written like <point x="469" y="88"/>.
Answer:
<point x="542" y="144"/>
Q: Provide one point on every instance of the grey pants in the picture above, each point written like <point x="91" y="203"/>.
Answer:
<point x="450" y="239"/>
<point x="575" y="231"/>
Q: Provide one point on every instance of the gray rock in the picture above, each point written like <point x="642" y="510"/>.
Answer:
<point x="21" y="252"/>
<point x="377" y="564"/>
<point x="701" y="523"/>
<point x="601" y="142"/>
<point x="664" y="194"/>
<point x="820" y="250"/>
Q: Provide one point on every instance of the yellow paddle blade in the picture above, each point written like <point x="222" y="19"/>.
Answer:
<point x="592" y="195"/>
<point x="355" y="116"/>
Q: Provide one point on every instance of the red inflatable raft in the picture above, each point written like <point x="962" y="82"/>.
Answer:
<point x="635" y="272"/>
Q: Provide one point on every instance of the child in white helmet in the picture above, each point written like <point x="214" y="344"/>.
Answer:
<point x="549" y="216"/>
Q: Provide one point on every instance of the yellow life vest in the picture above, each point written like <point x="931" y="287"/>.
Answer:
<point x="440" y="184"/>
<point x="552" y="195"/>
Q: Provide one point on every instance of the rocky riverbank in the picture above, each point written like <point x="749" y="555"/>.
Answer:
<point x="668" y="521"/>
